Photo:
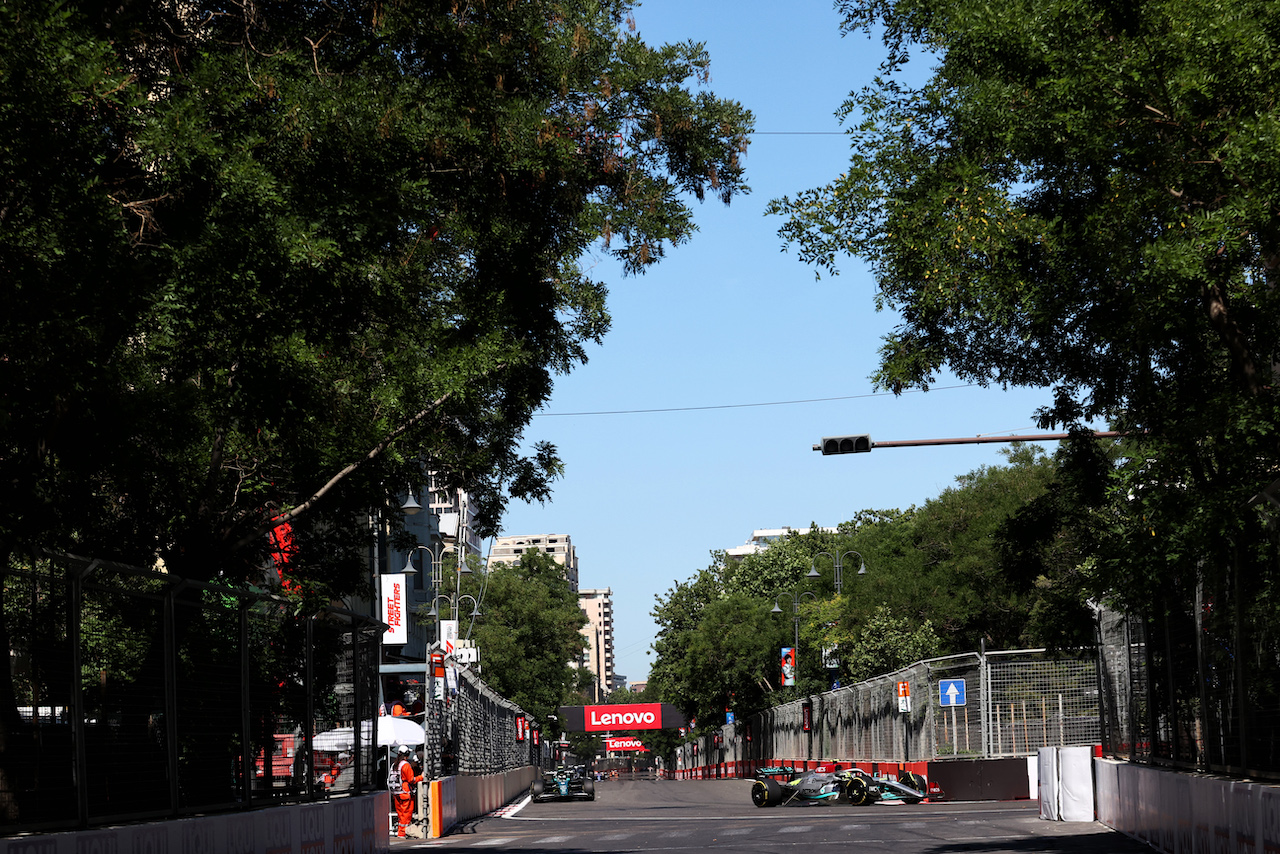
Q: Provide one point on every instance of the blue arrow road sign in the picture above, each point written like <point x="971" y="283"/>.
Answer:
<point x="952" y="691"/>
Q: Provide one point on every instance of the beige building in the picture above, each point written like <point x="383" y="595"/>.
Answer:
<point x="508" y="550"/>
<point x="597" y="604"/>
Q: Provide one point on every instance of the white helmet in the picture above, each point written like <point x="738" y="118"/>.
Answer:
<point x="404" y="750"/>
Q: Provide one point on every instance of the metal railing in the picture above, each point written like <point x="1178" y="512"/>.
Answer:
<point x="974" y="705"/>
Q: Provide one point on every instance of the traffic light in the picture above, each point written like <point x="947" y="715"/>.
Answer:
<point x="844" y="444"/>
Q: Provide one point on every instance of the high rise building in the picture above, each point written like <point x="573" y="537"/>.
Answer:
<point x="510" y="549"/>
<point x="597" y="604"/>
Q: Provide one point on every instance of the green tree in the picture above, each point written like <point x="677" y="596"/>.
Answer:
<point x="528" y="633"/>
<point x="884" y="642"/>
<point x="987" y="561"/>
<point x="1081" y="196"/>
<point x="783" y="565"/>
<point x="267" y="262"/>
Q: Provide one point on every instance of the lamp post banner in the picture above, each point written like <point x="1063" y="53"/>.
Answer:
<point x="393" y="604"/>
<point x="622" y="717"/>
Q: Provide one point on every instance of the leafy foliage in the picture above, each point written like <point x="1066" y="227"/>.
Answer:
<point x="528" y="633"/>
<point x="264" y="262"/>
<point x="1083" y="196"/>
<point x="972" y="566"/>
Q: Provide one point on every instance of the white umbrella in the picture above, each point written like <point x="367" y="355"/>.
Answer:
<point x="393" y="731"/>
<point x="342" y="738"/>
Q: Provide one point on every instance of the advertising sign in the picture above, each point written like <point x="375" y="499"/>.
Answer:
<point x="788" y="666"/>
<point x="625" y="744"/>
<point x="393" y="593"/>
<point x="904" y="696"/>
<point x="624" y="716"/>
<point x="449" y="636"/>
<point x="830" y="658"/>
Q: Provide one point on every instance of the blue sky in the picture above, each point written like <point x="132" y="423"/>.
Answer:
<point x="725" y="333"/>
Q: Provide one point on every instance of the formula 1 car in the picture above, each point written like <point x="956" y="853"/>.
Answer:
<point x="824" y="783"/>
<point x="562" y="785"/>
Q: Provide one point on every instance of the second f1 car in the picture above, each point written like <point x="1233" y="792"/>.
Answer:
<point x="851" y="785"/>
<point x="562" y="785"/>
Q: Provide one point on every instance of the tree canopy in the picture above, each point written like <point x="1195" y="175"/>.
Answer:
<point x="985" y="562"/>
<point x="1084" y="196"/>
<point x="529" y="633"/>
<point x="269" y="262"/>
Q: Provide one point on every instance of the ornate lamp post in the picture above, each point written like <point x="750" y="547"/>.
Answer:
<point x="795" y="603"/>
<point x="838" y="561"/>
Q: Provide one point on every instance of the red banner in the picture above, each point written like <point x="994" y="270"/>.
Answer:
<point x="625" y="744"/>
<point x="623" y="716"/>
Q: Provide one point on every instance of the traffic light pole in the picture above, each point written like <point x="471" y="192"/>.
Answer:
<point x="862" y="443"/>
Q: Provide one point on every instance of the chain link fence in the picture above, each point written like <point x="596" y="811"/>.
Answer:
<point x="969" y="706"/>
<point x="137" y="695"/>
<point x="133" y="694"/>
<point x="476" y="732"/>
<point x="1195" y="683"/>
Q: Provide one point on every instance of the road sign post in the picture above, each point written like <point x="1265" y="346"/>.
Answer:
<point x="951" y="692"/>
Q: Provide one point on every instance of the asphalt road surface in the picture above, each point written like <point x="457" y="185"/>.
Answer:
<point x="695" y="816"/>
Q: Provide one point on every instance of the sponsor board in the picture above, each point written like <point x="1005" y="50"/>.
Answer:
<point x="632" y="716"/>
<point x="625" y="744"/>
<point x="620" y="717"/>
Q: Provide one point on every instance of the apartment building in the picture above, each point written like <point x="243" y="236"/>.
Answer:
<point x="508" y="550"/>
<point x="597" y="658"/>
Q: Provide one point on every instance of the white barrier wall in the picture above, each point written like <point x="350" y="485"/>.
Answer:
<point x="1066" y="783"/>
<point x="455" y="799"/>
<point x="1180" y="813"/>
<point x="355" y="825"/>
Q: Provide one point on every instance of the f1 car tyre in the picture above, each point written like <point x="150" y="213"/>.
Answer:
<point x="912" y="781"/>
<point x="858" y="791"/>
<point x="766" y="793"/>
<point x="536" y="788"/>
<point x="589" y="789"/>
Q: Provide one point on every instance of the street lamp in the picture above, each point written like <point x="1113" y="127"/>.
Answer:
<point x="455" y="598"/>
<point x="839" y="565"/>
<point x="795" y="603"/>
<point x="434" y="568"/>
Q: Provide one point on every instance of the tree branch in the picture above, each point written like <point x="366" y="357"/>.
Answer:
<point x="376" y="451"/>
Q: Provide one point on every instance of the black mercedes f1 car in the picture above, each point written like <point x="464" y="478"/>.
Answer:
<point x="850" y="785"/>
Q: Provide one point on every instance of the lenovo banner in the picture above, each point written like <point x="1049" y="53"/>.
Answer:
<point x="625" y="744"/>
<point x="624" y="716"/>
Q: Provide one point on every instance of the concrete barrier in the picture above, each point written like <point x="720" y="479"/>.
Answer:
<point x="455" y="799"/>
<point x="1065" y="783"/>
<point x="358" y="825"/>
<point x="1180" y="813"/>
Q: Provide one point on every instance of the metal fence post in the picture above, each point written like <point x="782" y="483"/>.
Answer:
<point x="984" y="691"/>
